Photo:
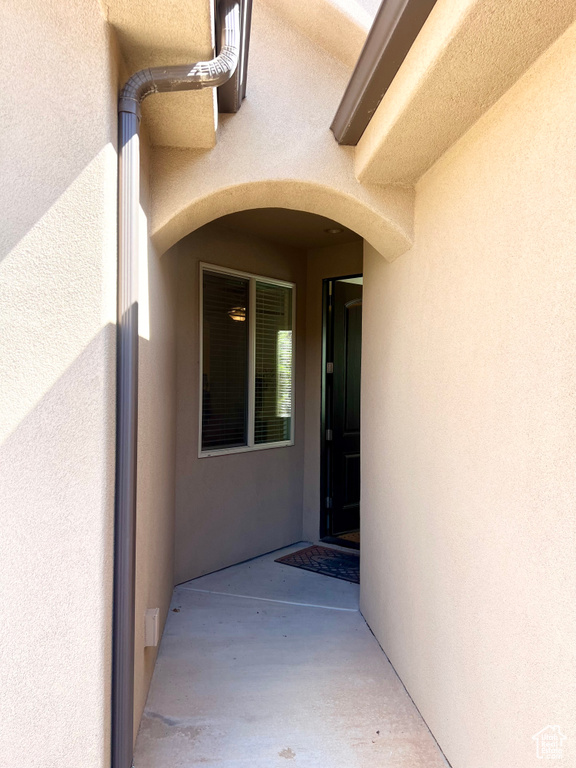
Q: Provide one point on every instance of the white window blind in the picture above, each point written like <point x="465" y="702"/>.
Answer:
<point x="247" y="362"/>
<point x="273" y="363"/>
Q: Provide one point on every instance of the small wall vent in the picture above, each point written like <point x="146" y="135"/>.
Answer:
<point x="152" y="628"/>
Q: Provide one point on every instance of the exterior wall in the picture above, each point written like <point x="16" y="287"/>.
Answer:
<point x="156" y="443"/>
<point x="230" y="508"/>
<point x="468" y="466"/>
<point x="278" y="151"/>
<point x="333" y="261"/>
<point x="468" y="463"/>
<point x="57" y="400"/>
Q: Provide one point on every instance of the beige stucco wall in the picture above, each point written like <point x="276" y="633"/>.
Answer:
<point x="468" y="425"/>
<point x="278" y="151"/>
<point x="230" y="508"/>
<point x="332" y="261"/>
<point x="156" y="441"/>
<point x="468" y="489"/>
<point x="57" y="347"/>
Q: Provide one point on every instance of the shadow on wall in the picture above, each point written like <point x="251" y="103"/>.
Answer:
<point x="156" y="457"/>
<point x="232" y="507"/>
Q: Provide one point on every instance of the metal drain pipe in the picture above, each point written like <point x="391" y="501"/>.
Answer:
<point x="203" y="74"/>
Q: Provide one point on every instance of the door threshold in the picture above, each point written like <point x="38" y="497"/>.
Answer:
<point x="340" y="542"/>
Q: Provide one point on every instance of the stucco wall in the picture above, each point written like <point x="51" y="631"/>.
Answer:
<point x="468" y="424"/>
<point x="156" y="442"/>
<point x="57" y="347"/>
<point x="230" y="508"/>
<point x="332" y="261"/>
<point x="278" y="151"/>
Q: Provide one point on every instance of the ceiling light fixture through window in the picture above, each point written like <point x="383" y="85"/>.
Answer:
<point x="238" y="314"/>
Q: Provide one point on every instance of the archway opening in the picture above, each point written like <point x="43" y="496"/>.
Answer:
<point x="271" y="497"/>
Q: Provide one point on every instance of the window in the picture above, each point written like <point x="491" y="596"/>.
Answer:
<point x="247" y="362"/>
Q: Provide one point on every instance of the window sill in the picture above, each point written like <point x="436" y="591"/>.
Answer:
<point x="244" y="449"/>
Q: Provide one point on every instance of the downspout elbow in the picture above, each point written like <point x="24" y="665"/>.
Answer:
<point x="188" y="77"/>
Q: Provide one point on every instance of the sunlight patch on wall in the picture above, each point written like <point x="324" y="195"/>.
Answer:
<point x="143" y="283"/>
<point x="58" y="289"/>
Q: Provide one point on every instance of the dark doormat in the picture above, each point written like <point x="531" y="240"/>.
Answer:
<point x="329" y="562"/>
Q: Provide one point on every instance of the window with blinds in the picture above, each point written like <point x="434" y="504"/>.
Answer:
<point x="247" y="361"/>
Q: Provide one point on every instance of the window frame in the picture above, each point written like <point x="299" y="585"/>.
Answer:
<point x="253" y="279"/>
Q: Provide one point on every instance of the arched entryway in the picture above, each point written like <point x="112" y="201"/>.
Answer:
<point x="260" y="660"/>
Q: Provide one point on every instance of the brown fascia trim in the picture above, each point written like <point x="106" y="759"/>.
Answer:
<point x="395" y="28"/>
<point x="193" y="76"/>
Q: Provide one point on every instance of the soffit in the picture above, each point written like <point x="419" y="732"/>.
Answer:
<point x="467" y="55"/>
<point x="288" y="227"/>
<point x="165" y="33"/>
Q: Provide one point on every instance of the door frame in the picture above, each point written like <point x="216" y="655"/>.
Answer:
<point x="326" y="402"/>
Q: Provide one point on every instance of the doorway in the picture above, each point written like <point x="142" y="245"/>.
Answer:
<point x="340" y="428"/>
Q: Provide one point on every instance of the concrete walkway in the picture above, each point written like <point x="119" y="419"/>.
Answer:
<point x="264" y="665"/>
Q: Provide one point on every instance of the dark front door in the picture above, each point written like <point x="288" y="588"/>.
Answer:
<point x="342" y="438"/>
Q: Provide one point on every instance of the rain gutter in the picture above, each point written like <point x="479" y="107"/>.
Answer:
<point x="396" y="26"/>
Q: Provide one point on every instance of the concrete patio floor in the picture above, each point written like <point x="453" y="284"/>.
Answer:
<point x="265" y="665"/>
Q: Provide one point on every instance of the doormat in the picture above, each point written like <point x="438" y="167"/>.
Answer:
<point x="328" y="562"/>
<point x="353" y="536"/>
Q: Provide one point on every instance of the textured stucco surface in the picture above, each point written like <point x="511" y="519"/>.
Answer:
<point x="468" y="423"/>
<point x="466" y="56"/>
<point x="338" y="27"/>
<point x="230" y="508"/>
<point x="331" y="261"/>
<point x="161" y="34"/>
<point x="156" y="442"/>
<point x="278" y="151"/>
<point x="57" y="313"/>
<point x="468" y="524"/>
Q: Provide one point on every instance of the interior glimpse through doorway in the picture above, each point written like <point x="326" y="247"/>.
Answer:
<point x="340" y="427"/>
